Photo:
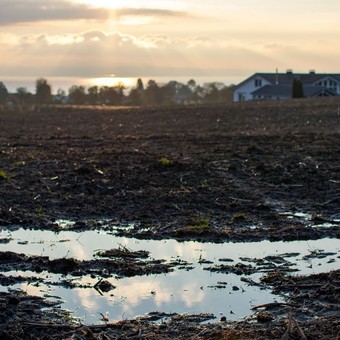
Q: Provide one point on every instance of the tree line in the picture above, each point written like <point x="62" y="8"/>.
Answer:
<point x="153" y="94"/>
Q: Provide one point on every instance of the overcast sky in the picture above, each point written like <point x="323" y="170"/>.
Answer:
<point x="150" y="38"/>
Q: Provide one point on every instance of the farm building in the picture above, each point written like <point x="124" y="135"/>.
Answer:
<point x="280" y="86"/>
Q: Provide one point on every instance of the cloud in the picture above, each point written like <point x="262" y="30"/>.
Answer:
<point x="150" y="12"/>
<point x="145" y="16"/>
<point x="19" y="11"/>
<point x="97" y="53"/>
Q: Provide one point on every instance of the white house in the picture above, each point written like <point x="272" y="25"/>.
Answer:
<point x="280" y="85"/>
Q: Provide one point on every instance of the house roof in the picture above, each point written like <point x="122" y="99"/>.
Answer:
<point x="305" y="78"/>
<point x="274" y="90"/>
<point x="286" y="91"/>
<point x="313" y="91"/>
<point x="287" y="78"/>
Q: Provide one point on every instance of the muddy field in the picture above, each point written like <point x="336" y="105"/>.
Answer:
<point x="246" y="172"/>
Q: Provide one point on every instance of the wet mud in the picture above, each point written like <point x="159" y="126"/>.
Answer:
<point x="244" y="172"/>
<point x="122" y="267"/>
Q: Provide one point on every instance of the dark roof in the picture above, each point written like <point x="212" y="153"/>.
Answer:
<point x="305" y="78"/>
<point x="274" y="90"/>
<point x="287" y="78"/>
<point x="313" y="91"/>
<point x="286" y="91"/>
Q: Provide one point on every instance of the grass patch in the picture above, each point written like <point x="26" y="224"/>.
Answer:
<point x="3" y="175"/>
<point x="198" y="224"/>
<point x="164" y="162"/>
<point x="239" y="216"/>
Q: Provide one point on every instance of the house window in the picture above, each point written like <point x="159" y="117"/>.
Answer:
<point x="328" y="84"/>
<point x="332" y="86"/>
<point x="258" y="82"/>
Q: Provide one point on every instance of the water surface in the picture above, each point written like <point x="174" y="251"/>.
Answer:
<point x="182" y="291"/>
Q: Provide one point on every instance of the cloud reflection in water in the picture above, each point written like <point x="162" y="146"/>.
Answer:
<point x="181" y="291"/>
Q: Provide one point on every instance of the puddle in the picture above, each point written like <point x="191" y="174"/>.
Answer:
<point x="64" y="224"/>
<point x="183" y="291"/>
<point x="311" y="220"/>
<point x="300" y="215"/>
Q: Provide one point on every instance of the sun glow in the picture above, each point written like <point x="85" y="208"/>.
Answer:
<point x="135" y="12"/>
<point x="115" y="4"/>
<point x="113" y="81"/>
<point x="101" y="3"/>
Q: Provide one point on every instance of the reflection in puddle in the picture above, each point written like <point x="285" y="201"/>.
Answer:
<point x="300" y="215"/>
<point x="312" y="220"/>
<point x="181" y="291"/>
<point x="64" y="224"/>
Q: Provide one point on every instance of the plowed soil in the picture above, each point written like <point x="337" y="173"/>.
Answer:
<point x="242" y="172"/>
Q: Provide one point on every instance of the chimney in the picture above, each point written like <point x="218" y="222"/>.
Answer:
<point x="277" y="77"/>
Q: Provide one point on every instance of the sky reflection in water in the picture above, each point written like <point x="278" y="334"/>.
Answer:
<point x="182" y="291"/>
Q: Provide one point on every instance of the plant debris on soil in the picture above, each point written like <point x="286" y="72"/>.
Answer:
<point x="124" y="252"/>
<point x="243" y="172"/>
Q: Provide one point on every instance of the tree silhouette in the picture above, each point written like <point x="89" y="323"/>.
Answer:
<point x="153" y="93"/>
<point x="140" y="85"/>
<point x="111" y="95"/>
<point x="77" y="95"/>
<point x="176" y="93"/>
<point x="169" y="92"/>
<point x="92" y="95"/>
<point x="192" y="84"/>
<point x="297" y="89"/>
<point x="136" y="95"/>
<point x="43" y="91"/>
<point x="119" y="88"/>
<point x="3" y="93"/>
<point x="24" y="97"/>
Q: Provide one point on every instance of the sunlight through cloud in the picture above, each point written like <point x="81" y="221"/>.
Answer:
<point x="115" y="4"/>
<point x="113" y="81"/>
